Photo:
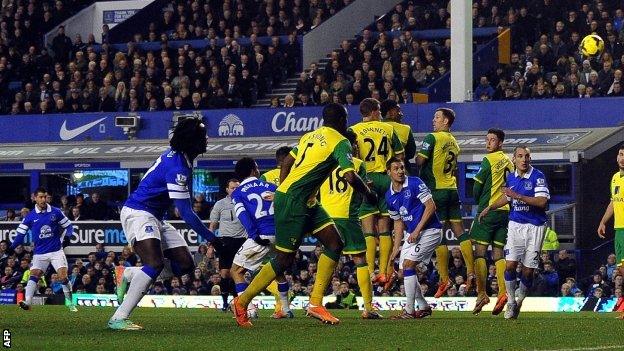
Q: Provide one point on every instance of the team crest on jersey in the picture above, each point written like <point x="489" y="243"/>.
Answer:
<point x="181" y="179"/>
<point x="407" y="193"/>
<point x="53" y="218"/>
<point x="149" y="229"/>
<point x="528" y="186"/>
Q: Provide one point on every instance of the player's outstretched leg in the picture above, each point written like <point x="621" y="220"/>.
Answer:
<point x="330" y="238"/>
<point x="151" y="255"/>
<point x="264" y="277"/>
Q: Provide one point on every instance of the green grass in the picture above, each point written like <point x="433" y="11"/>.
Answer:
<point x="55" y="328"/>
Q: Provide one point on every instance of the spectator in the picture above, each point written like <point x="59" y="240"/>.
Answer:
<point x="484" y="88"/>
<point x="566" y="265"/>
<point x="75" y="214"/>
<point x="10" y="216"/>
<point x="547" y="283"/>
<point x="97" y="209"/>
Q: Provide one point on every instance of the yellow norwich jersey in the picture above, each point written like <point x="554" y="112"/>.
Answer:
<point x="272" y="176"/>
<point x="617" y="196"/>
<point x="491" y="177"/>
<point x="440" y="151"/>
<point x="377" y="142"/>
<point x="338" y="197"/>
<point x="406" y="137"/>
<point x="316" y="156"/>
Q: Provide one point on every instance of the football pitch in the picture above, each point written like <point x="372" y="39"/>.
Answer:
<point x="55" y="328"/>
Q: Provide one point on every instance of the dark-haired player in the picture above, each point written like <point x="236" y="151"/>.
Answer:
<point x="142" y="219"/>
<point x="253" y="204"/>
<point x="273" y="176"/>
<point x="297" y="212"/>
<point x="491" y="229"/>
<point x="377" y="142"/>
<point x="437" y="160"/>
<point x="50" y="228"/>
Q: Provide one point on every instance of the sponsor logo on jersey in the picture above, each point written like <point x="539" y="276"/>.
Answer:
<point x="45" y="232"/>
<point x="231" y="125"/>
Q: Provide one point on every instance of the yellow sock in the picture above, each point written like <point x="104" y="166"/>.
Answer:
<point x="385" y="248"/>
<point x="466" y="250"/>
<point x="260" y="282"/>
<point x="272" y="288"/>
<point x="366" y="286"/>
<point x="500" y="276"/>
<point x="481" y="273"/>
<point x="371" y="250"/>
<point x="442" y="259"/>
<point x="325" y="270"/>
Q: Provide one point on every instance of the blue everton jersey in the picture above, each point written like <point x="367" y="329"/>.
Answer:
<point x="409" y="204"/>
<point x="166" y="180"/>
<point x="47" y="228"/>
<point x="252" y="208"/>
<point x="532" y="184"/>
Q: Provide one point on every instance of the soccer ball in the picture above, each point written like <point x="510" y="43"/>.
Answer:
<point x="592" y="45"/>
<point x="252" y="312"/>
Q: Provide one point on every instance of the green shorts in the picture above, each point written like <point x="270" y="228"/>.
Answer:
<point x="491" y="230"/>
<point x="351" y="233"/>
<point x="294" y="219"/>
<point x="447" y="205"/>
<point x="380" y="185"/>
<point x="619" y="246"/>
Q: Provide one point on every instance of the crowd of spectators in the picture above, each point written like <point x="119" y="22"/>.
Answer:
<point x="546" y="61"/>
<point x="77" y="75"/>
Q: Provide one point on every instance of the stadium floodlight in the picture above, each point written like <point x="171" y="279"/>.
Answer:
<point x="129" y="124"/>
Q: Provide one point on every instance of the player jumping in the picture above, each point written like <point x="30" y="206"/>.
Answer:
<point x="253" y="203"/>
<point x="528" y="192"/>
<point x="437" y="160"/>
<point x="49" y="228"/>
<point x="142" y="219"/>
<point x="413" y="210"/>
<point x="297" y="212"/>
<point x="492" y="227"/>
<point x="377" y="142"/>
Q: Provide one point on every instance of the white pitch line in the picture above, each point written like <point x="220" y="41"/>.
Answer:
<point x="610" y="347"/>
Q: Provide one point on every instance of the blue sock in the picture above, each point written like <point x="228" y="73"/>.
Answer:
<point x="240" y="287"/>
<point x="282" y="287"/>
<point x="150" y="271"/>
<point x="511" y="276"/>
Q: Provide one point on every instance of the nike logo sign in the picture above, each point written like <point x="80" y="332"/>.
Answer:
<point x="69" y="134"/>
<point x="35" y="220"/>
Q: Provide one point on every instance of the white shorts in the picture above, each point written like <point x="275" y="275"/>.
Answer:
<point x="422" y="250"/>
<point x="524" y="243"/>
<point x="56" y="258"/>
<point x="251" y="254"/>
<point x="140" y="225"/>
